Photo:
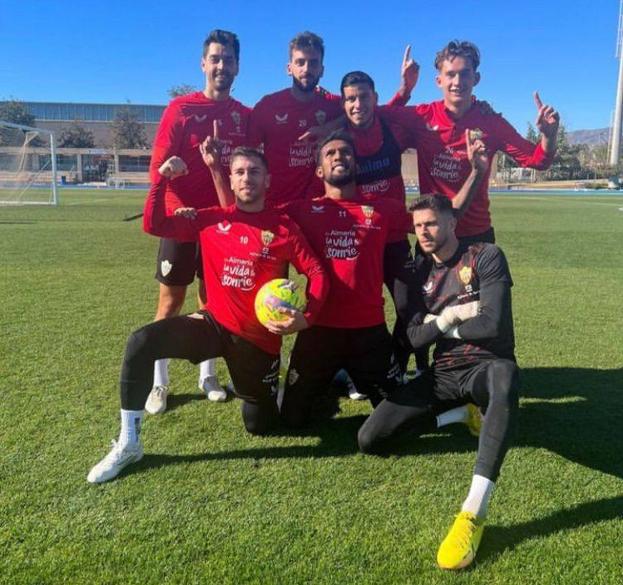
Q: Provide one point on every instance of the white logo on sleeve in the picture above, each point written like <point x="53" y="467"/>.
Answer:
<point x="165" y="267"/>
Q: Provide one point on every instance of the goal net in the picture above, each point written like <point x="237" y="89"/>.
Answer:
<point x="27" y="166"/>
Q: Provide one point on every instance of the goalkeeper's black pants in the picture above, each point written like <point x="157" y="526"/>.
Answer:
<point x="493" y="385"/>
<point x="254" y="372"/>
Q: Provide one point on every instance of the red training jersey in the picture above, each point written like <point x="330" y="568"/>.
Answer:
<point x="185" y="123"/>
<point x="241" y="252"/>
<point x="443" y="166"/>
<point x="350" y="236"/>
<point x="277" y="121"/>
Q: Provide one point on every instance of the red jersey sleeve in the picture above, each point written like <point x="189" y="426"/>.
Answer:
<point x="398" y="100"/>
<point x="167" y="141"/>
<point x="522" y="151"/>
<point x="156" y="221"/>
<point x="411" y="120"/>
<point x="305" y="261"/>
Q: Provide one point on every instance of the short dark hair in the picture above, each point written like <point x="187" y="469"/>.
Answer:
<point x="223" y="37"/>
<point x="354" y="78"/>
<point x="457" y="48"/>
<point x="436" y="202"/>
<point x="306" y="41"/>
<point x="335" y="135"/>
<point x="248" y="152"/>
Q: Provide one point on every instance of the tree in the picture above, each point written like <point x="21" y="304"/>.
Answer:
<point x="182" y="89"/>
<point x="566" y="164"/>
<point x="76" y="136"/>
<point x="127" y="131"/>
<point x="15" y="112"/>
<point x="532" y="135"/>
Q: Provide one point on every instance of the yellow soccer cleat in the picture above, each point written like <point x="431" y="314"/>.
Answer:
<point x="474" y="419"/>
<point x="458" y="549"/>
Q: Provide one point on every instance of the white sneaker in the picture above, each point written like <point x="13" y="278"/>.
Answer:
<point x="213" y="390"/>
<point x="120" y="456"/>
<point x="353" y="393"/>
<point x="157" y="400"/>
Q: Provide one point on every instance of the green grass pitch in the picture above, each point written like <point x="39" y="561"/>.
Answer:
<point x="211" y="504"/>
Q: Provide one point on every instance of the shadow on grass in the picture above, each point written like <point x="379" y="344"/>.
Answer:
<point x="499" y="540"/>
<point x="178" y="400"/>
<point x="576" y="413"/>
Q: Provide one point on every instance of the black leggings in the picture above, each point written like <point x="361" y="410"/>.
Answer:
<point x="253" y="371"/>
<point x="491" y="385"/>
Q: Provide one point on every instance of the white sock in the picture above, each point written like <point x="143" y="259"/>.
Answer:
<point x="131" y="421"/>
<point x="456" y="415"/>
<point x="207" y="369"/>
<point x="161" y="372"/>
<point x="480" y="492"/>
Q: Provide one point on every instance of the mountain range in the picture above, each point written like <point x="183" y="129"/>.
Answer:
<point x="589" y="137"/>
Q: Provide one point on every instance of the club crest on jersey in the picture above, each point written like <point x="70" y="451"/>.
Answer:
<point x="367" y="210"/>
<point x="165" y="267"/>
<point x="302" y="123"/>
<point x="200" y="119"/>
<point x="465" y="274"/>
<point x="293" y="376"/>
<point x="321" y="117"/>
<point x="224" y="226"/>
<point x="281" y="119"/>
<point x="235" y="117"/>
<point x="267" y="237"/>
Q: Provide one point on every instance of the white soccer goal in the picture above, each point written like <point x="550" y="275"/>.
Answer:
<point x="27" y="165"/>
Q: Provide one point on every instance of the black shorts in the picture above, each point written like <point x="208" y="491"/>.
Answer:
<point x="444" y="389"/>
<point x="320" y="352"/>
<point x="178" y="262"/>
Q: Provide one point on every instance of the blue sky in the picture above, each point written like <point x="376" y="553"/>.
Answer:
<point x="113" y="51"/>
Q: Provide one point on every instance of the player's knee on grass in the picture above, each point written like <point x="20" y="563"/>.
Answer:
<point x="259" y="417"/>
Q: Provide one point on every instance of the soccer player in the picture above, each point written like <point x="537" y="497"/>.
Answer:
<point x="184" y="125"/>
<point x="465" y="308"/>
<point x="349" y="233"/>
<point x="280" y="119"/>
<point x="245" y="246"/>
<point x="442" y="162"/>
<point x="380" y="139"/>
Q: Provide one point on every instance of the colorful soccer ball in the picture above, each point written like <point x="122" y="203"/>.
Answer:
<point x="276" y="294"/>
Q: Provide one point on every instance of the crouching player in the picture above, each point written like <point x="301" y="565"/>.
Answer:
<point x="465" y="308"/>
<point x="245" y="246"/>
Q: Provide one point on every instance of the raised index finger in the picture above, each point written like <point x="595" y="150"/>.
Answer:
<point x="407" y="54"/>
<point x="537" y="101"/>
<point x="215" y="129"/>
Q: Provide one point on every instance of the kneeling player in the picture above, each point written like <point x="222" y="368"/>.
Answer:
<point x="247" y="245"/>
<point x="465" y="309"/>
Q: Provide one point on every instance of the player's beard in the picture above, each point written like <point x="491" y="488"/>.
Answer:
<point x="305" y="88"/>
<point x="341" y="180"/>
<point x="223" y="84"/>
